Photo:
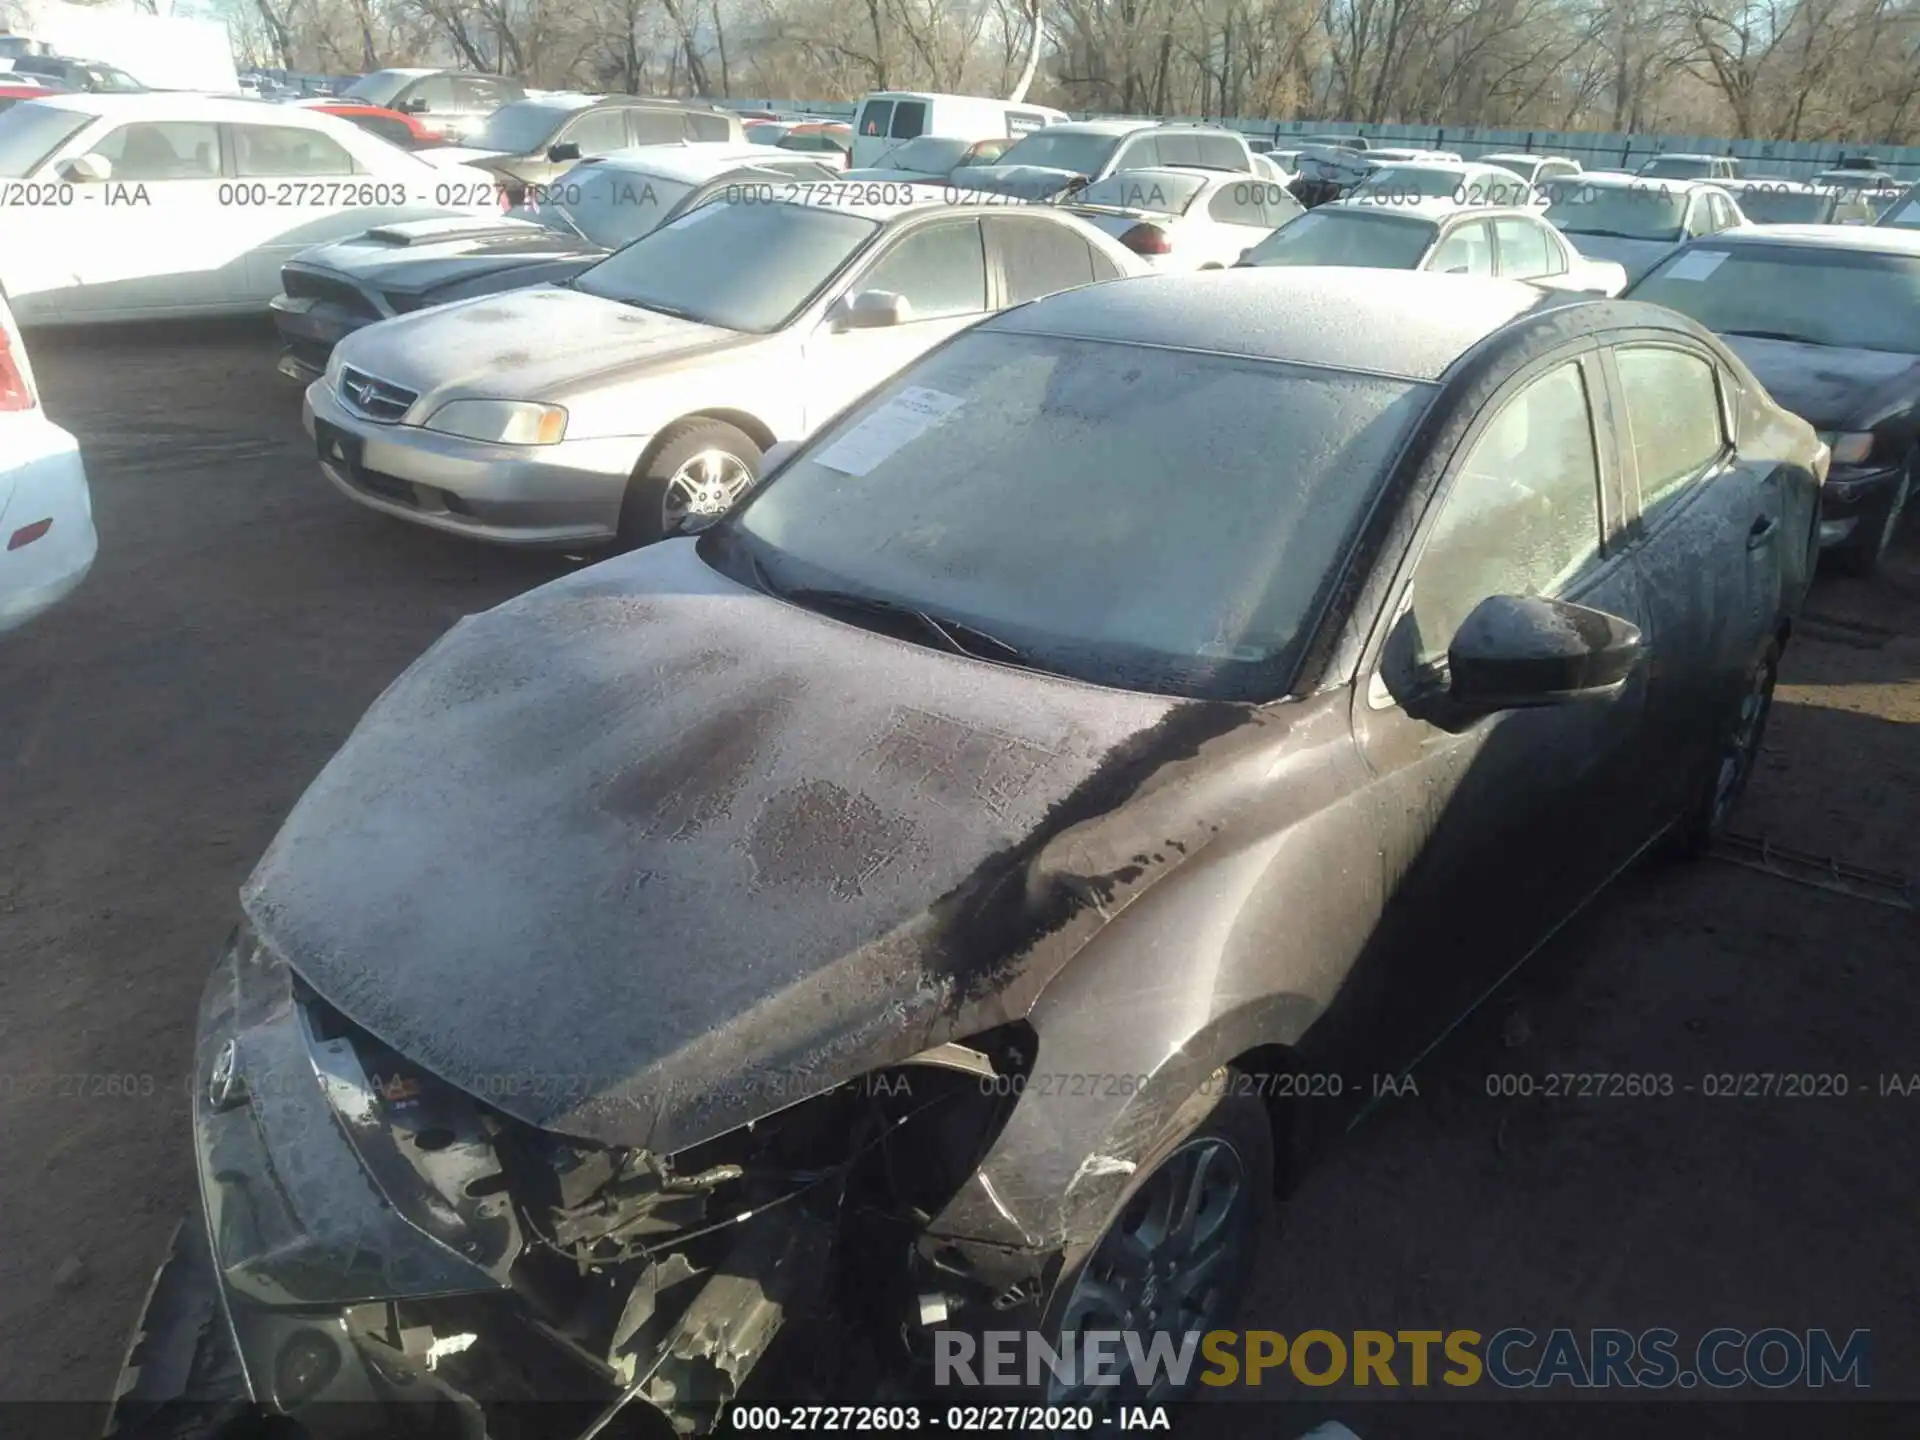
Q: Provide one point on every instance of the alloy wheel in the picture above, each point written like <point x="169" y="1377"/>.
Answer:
<point x="1743" y="744"/>
<point x="707" y="483"/>
<point x="1169" y="1265"/>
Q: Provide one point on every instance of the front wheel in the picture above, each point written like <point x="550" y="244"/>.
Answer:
<point x="1179" y="1250"/>
<point x="1867" y="546"/>
<point x="1721" y="788"/>
<point x="698" y="468"/>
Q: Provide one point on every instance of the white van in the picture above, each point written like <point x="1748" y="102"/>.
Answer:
<point x="886" y="117"/>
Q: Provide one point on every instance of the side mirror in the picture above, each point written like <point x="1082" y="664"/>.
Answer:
<point x="565" y="150"/>
<point x="1518" y="651"/>
<point x="777" y="455"/>
<point x="87" y="170"/>
<point x="413" y="107"/>
<point x="874" y="310"/>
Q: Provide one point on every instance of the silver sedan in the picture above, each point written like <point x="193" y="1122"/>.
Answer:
<point x="650" y="386"/>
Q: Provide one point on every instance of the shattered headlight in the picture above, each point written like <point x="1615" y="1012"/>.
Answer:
<point x="297" y="1215"/>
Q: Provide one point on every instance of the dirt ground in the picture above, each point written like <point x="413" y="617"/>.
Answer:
<point x="154" y="731"/>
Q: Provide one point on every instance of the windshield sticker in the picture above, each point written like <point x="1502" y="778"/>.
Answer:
<point x="898" y="423"/>
<point x="1696" y="265"/>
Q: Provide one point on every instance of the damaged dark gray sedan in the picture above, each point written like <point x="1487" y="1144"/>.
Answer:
<point x="952" y="892"/>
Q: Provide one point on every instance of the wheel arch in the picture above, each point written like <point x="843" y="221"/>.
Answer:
<point x="754" y="428"/>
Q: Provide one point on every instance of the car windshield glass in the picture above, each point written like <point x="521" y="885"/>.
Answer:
<point x="30" y="133"/>
<point x="1369" y="239"/>
<point x="1764" y="205"/>
<point x="1081" y="153"/>
<point x="929" y="155"/>
<point x="1524" y="168"/>
<point x="378" y="88"/>
<point x="1626" y="212"/>
<point x="520" y="128"/>
<point x="1820" y="294"/>
<point x="1677" y="167"/>
<point x="1040" y="490"/>
<point x="742" y="266"/>
<point x="608" y="205"/>
<point x="1153" y="190"/>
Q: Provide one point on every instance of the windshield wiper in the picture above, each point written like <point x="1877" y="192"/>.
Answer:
<point x="1614" y="235"/>
<point x="1786" y="335"/>
<point x="949" y="632"/>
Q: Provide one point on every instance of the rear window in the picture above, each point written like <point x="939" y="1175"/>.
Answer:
<point x="30" y="133"/>
<point x="1370" y="239"/>
<point x="1771" y="205"/>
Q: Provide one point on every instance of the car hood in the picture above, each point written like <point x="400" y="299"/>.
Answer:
<point x="412" y="255"/>
<point x="1636" y="257"/>
<point x="1027" y="182"/>
<point x="678" y="853"/>
<point x="1829" y="386"/>
<point x="547" y="341"/>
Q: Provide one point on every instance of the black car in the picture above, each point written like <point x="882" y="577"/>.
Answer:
<point x="532" y="142"/>
<point x="935" y="901"/>
<point x="1828" y="319"/>
<point x="331" y="290"/>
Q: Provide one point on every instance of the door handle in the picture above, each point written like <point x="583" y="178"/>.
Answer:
<point x="1761" y="531"/>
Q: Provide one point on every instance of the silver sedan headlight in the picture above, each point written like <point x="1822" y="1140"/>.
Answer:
<point x="501" y="422"/>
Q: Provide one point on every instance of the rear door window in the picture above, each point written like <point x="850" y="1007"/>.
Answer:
<point x="1672" y="400"/>
<point x="909" y="120"/>
<point x="261" y="151"/>
<point x="1038" y="257"/>
<point x="1242" y="202"/>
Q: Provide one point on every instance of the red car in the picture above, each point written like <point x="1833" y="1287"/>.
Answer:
<point x="11" y="95"/>
<point x="403" y="130"/>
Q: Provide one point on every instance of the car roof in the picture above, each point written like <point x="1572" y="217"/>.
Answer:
<point x="684" y="162"/>
<point x="1872" y="239"/>
<point x="1524" y="155"/>
<point x="1099" y="127"/>
<point x="1683" y="155"/>
<point x="413" y="70"/>
<point x="1615" y="180"/>
<point x="181" y="104"/>
<point x="1387" y="322"/>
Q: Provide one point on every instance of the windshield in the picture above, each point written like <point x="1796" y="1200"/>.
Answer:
<point x="520" y="128"/>
<point x="31" y="132"/>
<point x="1143" y="190"/>
<point x="1368" y="239"/>
<point x="1821" y="295"/>
<point x="1770" y="205"/>
<point x="1517" y="165"/>
<point x="1639" y="212"/>
<point x="1677" y="167"/>
<point x="1041" y="491"/>
<point x="609" y="206"/>
<point x="742" y="266"/>
<point x="1080" y="152"/>
<point x="380" y="87"/>
<point x="929" y="155"/>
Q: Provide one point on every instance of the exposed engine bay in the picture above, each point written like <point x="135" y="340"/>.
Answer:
<point x="396" y="1256"/>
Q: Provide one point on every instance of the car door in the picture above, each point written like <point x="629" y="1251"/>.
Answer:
<point x="306" y="179"/>
<point x="1709" y="533"/>
<point x="939" y="268"/>
<point x="162" y="241"/>
<point x="1495" y="828"/>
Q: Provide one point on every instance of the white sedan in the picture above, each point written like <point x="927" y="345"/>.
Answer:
<point x="1178" y="218"/>
<point x="1511" y="242"/>
<point x="47" y="540"/>
<point x="162" y="205"/>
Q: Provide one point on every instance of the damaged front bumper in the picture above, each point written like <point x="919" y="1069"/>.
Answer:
<point x="379" y="1253"/>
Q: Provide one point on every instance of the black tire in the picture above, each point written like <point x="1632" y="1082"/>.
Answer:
<point x="642" y="511"/>
<point x="181" y="1379"/>
<point x="1223" y="1115"/>
<point x="1742" y="736"/>
<point x="1864" y="549"/>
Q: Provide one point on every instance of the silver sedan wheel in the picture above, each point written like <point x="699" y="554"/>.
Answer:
<point x="1167" y="1264"/>
<point x="706" y="483"/>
